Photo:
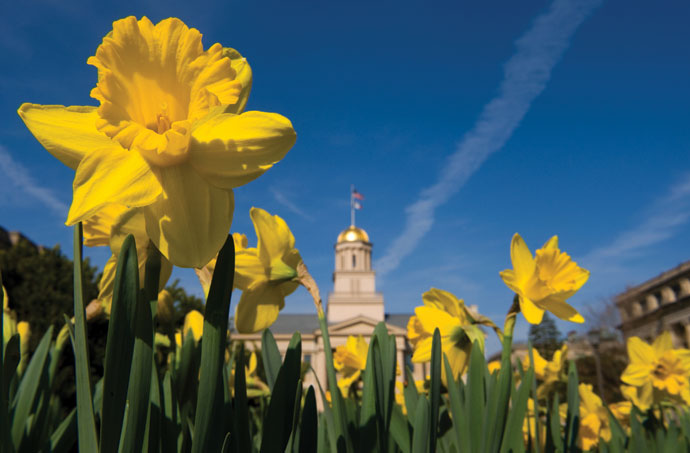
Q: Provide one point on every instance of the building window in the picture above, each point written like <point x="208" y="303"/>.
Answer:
<point x="354" y="261"/>
<point x="307" y="358"/>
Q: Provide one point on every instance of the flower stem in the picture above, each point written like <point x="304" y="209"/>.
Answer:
<point x="508" y="329"/>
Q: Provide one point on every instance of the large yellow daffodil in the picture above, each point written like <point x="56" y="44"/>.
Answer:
<point x="458" y="327"/>
<point x="350" y="360"/>
<point x="110" y="226"/>
<point x="265" y="274"/>
<point x="594" y="418"/>
<point x="657" y="369"/>
<point x="545" y="281"/>
<point x="168" y="138"/>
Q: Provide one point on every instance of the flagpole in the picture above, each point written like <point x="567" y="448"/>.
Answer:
<point x="352" y="205"/>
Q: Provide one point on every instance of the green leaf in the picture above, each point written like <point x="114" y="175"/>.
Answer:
<point x="554" y="442"/>
<point x="28" y="391"/>
<point x="340" y="438"/>
<point x="64" y="436"/>
<point x="410" y="392"/>
<point x="5" y="378"/>
<point x="461" y="426"/>
<point x="512" y="439"/>
<point x="154" y="421"/>
<point x="278" y="421"/>
<point x="208" y="433"/>
<point x="139" y="388"/>
<point x="400" y="430"/>
<point x="12" y="358"/>
<point x="476" y="396"/>
<point x="572" y="423"/>
<point x="422" y="427"/>
<point x="240" y="441"/>
<point x="294" y="434"/>
<point x="86" y="424"/>
<point x="170" y="428"/>
<point x="308" y="426"/>
<point x="385" y="360"/>
<point x="368" y="440"/>
<point x="435" y="391"/>
<point x="270" y="356"/>
<point x="119" y="346"/>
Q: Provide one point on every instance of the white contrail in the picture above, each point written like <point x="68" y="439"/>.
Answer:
<point x="525" y="77"/>
<point x="21" y="178"/>
<point x="281" y="198"/>
<point x="661" y="221"/>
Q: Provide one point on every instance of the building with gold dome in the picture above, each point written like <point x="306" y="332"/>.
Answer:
<point x="354" y="307"/>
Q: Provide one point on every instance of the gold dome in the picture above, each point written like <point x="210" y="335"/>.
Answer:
<point x="353" y="234"/>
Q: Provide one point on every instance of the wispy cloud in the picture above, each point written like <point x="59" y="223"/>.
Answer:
<point x="525" y="76"/>
<point x="20" y="177"/>
<point x="662" y="220"/>
<point x="282" y="198"/>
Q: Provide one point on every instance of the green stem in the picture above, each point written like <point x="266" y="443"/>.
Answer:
<point x="508" y="329"/>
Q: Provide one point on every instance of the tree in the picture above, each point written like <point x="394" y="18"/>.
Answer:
<point x="545" y="337"/>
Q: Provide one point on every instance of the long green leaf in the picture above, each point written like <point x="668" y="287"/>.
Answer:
<point x="435" y="391"/>
<point x="400" y="430"/>
<point x="240" y="441"/>
<point x="270" y="357"/>
<point x="422" y="427"/>
<point x="512" y="439"/>
<point x="86" y="423"/>
<point x="139" y="388"/>
<point x="368" y="413"/>
<point x="278" y="421"/>
<point x="65" y="434"/>
<point x="28" y="390"/>
<point x="170" y="429"/>
<point x="5" y="438"/>
<point x="308" y="425"/>
<point x="460" y="426"/>
<point x="475" y="400"/>
<point x="9" y="369"/>
<point x="386" y="368"/>
<point x="208" y="432"/>
<point x="119" y="346"/>
<point x="410" y="392"/>
<point x="572" y="423"/>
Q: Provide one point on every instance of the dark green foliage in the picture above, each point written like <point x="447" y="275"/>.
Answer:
<point x="183" y="302"/>
<point x="613" y="357"/>
<point x="545" y="337"/>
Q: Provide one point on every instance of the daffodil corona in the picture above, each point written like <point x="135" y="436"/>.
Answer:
<point x="545" y="281"/>
<point x="168" y="138"/>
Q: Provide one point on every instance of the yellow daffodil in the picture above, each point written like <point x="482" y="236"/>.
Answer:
<point x="400" y="393"/>
<point x="458" y="327"/>
<point x="194" y="323"/>
<point x="169" y="136"/>
<point x="265" y="274"/>
<point x="594" y="418"/>
<point x="24" y="331"/>
<point x="110" y="226"/>
<point x="529" y="425"/>
<point x="621" y="411"/>
<point x="205" y="274"/>
<point x="658" y="368"/>
<point x="9" y="321"/>
<point x="545" y="281"/>
<point x="494" y="365"/>
<point x="550" y="372"/>
<point x="642" y="397"/>
<point x="350" y="360"/>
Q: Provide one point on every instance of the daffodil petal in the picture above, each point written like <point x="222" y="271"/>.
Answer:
<point x="561" y="309"/>
<point x="243" y="76"/>
<point x="523" y="262"/>
<point x="640" y="352"/>
<point x="533" y="314"/>
<point x="111" y="176"/>
<point x="191" y="220"/>
<point x="258" y="309"/>
<point x="508" y="277"/>
<point x="422" y="351"/>
<point x="68" y="133"/>
<point x="636" y="374"/>
<point x="662" y="343"/>
<point x="432" y="318"/>
<point x="446" y="301"/>
<point x="551" y="244"/>
<point x="232" y="150"/>
<point x="275" y="237"/>
<point x="248" y="269"/>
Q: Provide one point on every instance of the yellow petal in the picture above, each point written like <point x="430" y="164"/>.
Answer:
<point x="432" y="318"/>
<point x="447" y="302"/>
<point x="640" y="352"/>
<point x="509" y="278"/>
<point x="249" y="271"/>
<point x="523" y="262"/>
<point x="68" y="133"/>
<point x="561" y="309"/>
<point x="243" y="76"/>
<point x="240" y="241"/>
<point x="422" y="351"/>
<point x="97" y="227"/>
<point x="194" y="322"/>
<point x="532" y="313"/>
<point x="275" y="237"/>
<point x="258" y="309"/>
<point x="560" y="272"/>
<point x="232" y="150"/>
<point x="111" y="176"/>
<point x="662" y="343"/>
<point x="191" y="220"/>
<point x="551" y="244"/>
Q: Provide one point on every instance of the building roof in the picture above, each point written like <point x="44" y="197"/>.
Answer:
<point x="659" y="280"/>
<point x="288" y="323"/>
<point x="353" y="234"/>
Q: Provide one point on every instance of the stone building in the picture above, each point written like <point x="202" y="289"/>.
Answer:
<point x="353" y="308"/>
<point x="662" y="303"/>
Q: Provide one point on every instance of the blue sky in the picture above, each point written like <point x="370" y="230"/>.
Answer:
<point x="460" y="122"/>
